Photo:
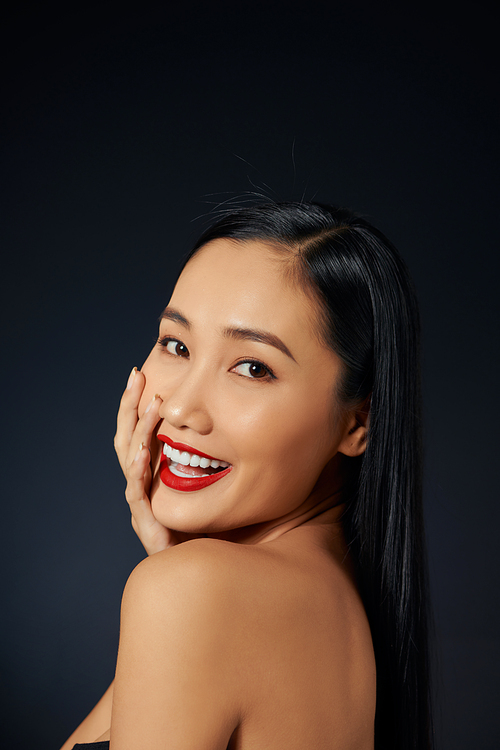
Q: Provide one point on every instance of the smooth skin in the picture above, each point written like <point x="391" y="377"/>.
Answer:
<point x="243" y="628"/>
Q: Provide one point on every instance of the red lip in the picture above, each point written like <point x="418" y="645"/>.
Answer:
<point x="188" y="484"/>
<point x="184" y="447"/>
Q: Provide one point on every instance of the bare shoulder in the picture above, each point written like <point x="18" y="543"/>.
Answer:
<point x="200" y="568"/>
<point x="209" y="596"/>
<point x="177" y="653"/>
<point x="210" y="578"/>
<point x="210" y="627"/>
<point x="177" y="589"/>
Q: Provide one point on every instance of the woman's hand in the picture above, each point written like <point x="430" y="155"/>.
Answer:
<point x="132" y="443"/>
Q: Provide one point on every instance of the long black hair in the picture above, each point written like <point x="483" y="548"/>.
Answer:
<point x="370" y="319"/>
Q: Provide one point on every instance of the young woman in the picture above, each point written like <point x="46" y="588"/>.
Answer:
<point x="271" y="445"/>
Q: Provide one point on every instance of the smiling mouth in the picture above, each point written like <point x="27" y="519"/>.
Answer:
<point x="186" y="470"/>
<point x="186" y="464"/>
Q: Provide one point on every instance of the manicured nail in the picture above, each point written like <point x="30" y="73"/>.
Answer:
<point x="131" y="378"/>
<point x="148" y="407"/>
<point x="137" y="455"/>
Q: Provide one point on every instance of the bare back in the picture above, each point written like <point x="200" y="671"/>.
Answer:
<point x="307" y="661"/>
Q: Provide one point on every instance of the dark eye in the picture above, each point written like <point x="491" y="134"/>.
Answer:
<point x="254" y="370"/>
<point x="175" y="347"/>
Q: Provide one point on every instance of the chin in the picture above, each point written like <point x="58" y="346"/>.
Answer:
<point x="181" y="512"/>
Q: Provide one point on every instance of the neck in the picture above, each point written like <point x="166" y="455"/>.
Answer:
<point x="324" y="506"/>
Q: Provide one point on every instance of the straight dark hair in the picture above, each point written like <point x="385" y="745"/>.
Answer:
<point x="370" y="320"/>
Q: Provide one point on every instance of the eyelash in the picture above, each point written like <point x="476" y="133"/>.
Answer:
<point x="165" y="340"/>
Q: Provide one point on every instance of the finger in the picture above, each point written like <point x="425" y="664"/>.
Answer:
<point x="152" y="534"/>
<point x="138" y="501"/>
<point x="144" y="429"/>
<point x="136" y="472"/>
<point x="127" y="414"/>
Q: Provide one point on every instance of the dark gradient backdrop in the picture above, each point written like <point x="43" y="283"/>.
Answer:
<point x="119" y="129"/>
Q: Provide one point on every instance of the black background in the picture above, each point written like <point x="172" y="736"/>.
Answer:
<point x="121" y="130"/>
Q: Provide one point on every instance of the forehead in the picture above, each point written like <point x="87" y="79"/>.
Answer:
<point x="244" y="283"/>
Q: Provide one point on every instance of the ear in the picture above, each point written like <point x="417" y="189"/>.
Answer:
<point x="354" y="439"/>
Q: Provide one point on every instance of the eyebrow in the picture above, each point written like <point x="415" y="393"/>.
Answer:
<point x="261" y="337"/>
<point x="174" y="315"/>
<point x="240" y="334"/>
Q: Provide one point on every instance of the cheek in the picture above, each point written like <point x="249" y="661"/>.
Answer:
<point x="297" y="433"/>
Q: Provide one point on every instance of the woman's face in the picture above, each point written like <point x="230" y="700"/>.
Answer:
<point x="243" y="380"/>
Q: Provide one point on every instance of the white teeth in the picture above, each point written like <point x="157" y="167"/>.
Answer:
<point x="192" y="459"/>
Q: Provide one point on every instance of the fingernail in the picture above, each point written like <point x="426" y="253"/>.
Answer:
<point x="131" y="378"/>
<point x="139" y="451"/>
<point x="148" y="407"/>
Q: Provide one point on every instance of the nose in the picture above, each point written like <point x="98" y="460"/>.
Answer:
<point x="185" y="405"/>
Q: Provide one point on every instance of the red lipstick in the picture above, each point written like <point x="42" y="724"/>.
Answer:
<point x="186" y="484"/>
